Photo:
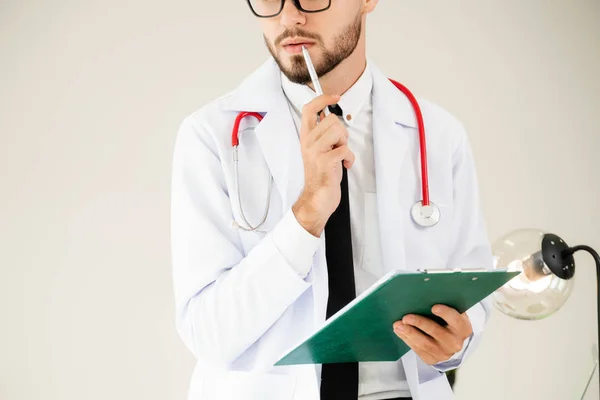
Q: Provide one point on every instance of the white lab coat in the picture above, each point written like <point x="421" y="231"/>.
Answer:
<point x="239" y="304"/>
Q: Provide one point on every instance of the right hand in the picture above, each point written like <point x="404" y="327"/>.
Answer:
<point x="324" y="147"/>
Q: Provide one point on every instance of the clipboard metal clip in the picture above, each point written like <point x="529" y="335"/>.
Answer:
<point x="451" y="270"/>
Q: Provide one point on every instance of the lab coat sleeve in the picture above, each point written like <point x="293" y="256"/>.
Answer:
<point x="477" y="315"/>
<point x="225" y="300"/>
<point x="471" y="246"/>
<point x="295" y="243"/>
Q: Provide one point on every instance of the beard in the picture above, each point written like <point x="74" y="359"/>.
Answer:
<point x="345" y="44"/>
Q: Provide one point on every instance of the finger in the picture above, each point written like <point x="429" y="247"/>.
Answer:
<point x="418" y="338"/>
<point x="335" y="136"/>
<point x="427" y="357"/>
<point x="459" y="324"/>
<point x="321" y="117"/>
<point x="448" y="314"/>
<point x="347" y="163"/>
<point x="422" y="345"/>
<point x="430" y="327"/>
<point x="339" y="154"/>
<point x="331" y="122"/>
<point x="451" y="342"/>
<point x="315" y="107"/>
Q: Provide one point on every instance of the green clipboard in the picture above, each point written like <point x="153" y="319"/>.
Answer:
<point x="362" y="331"/>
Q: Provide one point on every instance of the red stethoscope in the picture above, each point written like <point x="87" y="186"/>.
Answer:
<point x="423" y="212"/>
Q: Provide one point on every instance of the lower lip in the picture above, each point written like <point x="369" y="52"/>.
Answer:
<point x="297" y="48"/>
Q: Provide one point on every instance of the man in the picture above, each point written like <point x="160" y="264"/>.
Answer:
<point x="338" y="217"/>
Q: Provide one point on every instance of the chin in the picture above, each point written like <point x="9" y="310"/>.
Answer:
<point x="291" y="60"/>
<point x="294" y="68"/>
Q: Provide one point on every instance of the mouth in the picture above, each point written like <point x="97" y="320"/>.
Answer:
<point x="294" y="46"/>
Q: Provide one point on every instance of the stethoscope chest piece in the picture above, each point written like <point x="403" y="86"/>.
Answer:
<point x="425" y="215"/>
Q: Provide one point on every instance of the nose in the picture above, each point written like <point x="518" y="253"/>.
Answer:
<point x="290" y="15"/>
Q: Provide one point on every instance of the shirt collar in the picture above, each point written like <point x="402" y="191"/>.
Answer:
<point x="351" y="102"/>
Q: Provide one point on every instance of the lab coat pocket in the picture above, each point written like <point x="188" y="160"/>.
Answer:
<point x="372" y="260"/>
<point x="430" y="247"/>
<point x="234" y="385"/>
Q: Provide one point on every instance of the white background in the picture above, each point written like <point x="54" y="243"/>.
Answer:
<point x="92" y="93"/>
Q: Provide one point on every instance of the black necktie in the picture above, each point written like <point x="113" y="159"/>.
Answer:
<point x="339" y="381"/>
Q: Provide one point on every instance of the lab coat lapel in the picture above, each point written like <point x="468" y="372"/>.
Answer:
<point x="281" y="148"/>
<point x="261" y="92"/>
<point x="392" y="123"/>
<point x="390" y="143"/>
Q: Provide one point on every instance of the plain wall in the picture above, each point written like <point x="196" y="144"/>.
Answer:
<point x="92" y="93"/>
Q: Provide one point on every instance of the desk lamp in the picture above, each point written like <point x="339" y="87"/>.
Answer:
<point x="547" y="267"/>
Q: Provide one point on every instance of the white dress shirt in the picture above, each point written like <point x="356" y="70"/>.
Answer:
<point x="382" y="380"/>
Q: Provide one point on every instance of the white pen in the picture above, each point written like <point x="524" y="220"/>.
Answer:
<point x="313" y="76"/>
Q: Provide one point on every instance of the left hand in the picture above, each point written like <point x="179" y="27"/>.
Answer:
<point x="442" y="342"/>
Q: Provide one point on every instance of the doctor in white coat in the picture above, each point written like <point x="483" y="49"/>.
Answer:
<point x="244" y="297"/>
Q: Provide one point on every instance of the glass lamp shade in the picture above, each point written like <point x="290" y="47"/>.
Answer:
<point x="537" y="292"/>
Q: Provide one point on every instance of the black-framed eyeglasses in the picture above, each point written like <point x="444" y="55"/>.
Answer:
<point x="272" y="8"/>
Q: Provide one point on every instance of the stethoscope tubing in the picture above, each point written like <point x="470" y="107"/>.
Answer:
<point x="424" y="212"/>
